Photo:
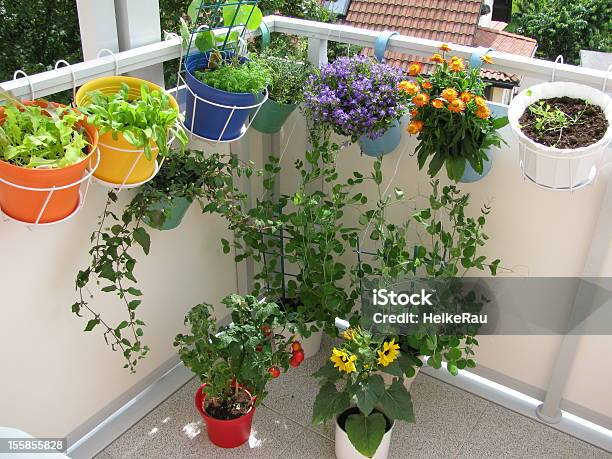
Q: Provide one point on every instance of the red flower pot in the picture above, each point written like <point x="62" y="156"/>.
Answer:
<point x="225" y="433"/>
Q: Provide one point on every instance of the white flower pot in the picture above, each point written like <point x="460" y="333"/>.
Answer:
<point x="310" y="345"/>
<point x="555" y="168"/>
<point x="407" y="381"/>
<point x="346" y="450"/>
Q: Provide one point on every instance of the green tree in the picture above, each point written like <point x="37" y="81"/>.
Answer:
<point x="36" y="34"/>
<point x="563" y="27"/>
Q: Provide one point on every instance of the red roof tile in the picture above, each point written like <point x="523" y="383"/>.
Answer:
<point x="446" y="21"/>
<point x="505" y="42"/>
<point x="453" y="21"/>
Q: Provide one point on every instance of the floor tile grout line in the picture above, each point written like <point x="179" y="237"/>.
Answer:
<point x="467" y="436"/>
<point x="307" y="427"/>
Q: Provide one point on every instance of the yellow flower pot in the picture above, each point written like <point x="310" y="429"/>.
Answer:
<point x="117" y="156"/>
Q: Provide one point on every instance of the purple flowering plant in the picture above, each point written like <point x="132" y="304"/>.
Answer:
<point x="355" y="96"/>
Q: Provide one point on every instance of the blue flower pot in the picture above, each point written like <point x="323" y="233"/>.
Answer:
<point x="471" y="176"/>
<point x="209" y="119"/>
<point x="383" y="145"/>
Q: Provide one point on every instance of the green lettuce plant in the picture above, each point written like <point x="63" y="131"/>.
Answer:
<point x="149" y="119"/>
<point x="32" y="136"/>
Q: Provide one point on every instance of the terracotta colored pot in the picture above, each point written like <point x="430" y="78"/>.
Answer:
<point x="225" y="433"/>
<point x="117" y="156"/>
<point x="25" y="205"/>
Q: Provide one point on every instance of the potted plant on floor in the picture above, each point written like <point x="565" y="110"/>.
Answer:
<point x="357" y="97"/>
<point x="452" y="120"/>
<point x="223" y="85"/>
<point x="563" y="131"/>
<point x="187" y="177"/>
<point x="136" y="120"/>
<point x="43" y="145"/>
<point x="354" y="394"/>
<point x="234" y="363"/>
<point x="286" y="91"/>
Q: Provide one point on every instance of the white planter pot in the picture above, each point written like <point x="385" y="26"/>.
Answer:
<point x="555" y="168"/>
<point x="311" y="345"/>
<point x="346" y="450"/>
<point x="407" y="381"/>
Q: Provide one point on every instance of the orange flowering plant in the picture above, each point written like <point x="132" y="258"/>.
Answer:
<point x="451" y="117"/>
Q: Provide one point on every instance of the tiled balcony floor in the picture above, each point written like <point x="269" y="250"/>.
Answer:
<point x="450" y="423"/>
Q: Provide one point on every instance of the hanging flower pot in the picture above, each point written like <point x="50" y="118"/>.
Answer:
<point x="471" y="176"/>
<point x="212" y="113"/>
<point x="570" y="158"/>
<point x="229" y="433"/>
<point x="344" y="447"/>
<point x="19" y="198"/>
<point x="272" y="116"/>
<point x="383" y="145"/>
<point x="167" y="214"/>
<point x="120" y="161"/>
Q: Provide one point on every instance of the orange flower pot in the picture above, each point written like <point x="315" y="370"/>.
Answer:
<point x="26" y="205"/>
<point x="117" y="156"/>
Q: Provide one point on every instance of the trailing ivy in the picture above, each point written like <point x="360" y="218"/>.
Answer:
<point x="120" y="235"/>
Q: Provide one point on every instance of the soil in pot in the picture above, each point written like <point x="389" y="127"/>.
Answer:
<point x="344" y="416"/>
<point x="584" y="125"/>
<point x="228" y="409"/>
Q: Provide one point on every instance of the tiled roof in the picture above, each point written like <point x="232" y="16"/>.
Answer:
<point x="505" y="42"/>
<point x="453" y="21"/>
<point x="446" y="21"/>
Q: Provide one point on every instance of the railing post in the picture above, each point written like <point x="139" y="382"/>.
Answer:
<point x="138" y="24"/>
<point x="317" y="51"/>
<point x="98" y="27"/>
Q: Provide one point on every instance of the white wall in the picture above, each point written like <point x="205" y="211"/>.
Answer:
<point x="534" y="232"/>
<point x="54" y="377"/>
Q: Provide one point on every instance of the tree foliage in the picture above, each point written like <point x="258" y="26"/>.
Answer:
<point x="563" y="27"/>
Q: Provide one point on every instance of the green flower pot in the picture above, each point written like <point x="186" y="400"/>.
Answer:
<point x="272" y="116"/>
<point x="167" y="214"/>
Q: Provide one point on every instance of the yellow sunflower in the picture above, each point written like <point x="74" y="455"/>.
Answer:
<point x="349" y="334"/>
<point x="343" y="361"/>
<point x="389" y="353"/>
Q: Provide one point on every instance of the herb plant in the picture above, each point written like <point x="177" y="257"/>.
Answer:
<point x="34" y="136"/>
<point x="288" y="77"/>
<point x="249" y="77"/>
<point x="116" y="239"/>
<point x="451" y="117"/>
<point x="352" y="378"/>
<point x="145" y="122"/>
<point x="245" y="353"/>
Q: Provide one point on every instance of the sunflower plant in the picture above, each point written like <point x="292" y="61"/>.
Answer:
<point x="450" y="115"/>
<point x="352" y="378"/>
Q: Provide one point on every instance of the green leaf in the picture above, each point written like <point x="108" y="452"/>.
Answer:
<point x="397" y="403"/>
<point x="327" y="373"/>
<point x="366" y="432"/>
<point x="142" y="237"/>
<point x="192" y="10"/>
<point x="91" y="324"/>
<point x="329" y="403"/>
<point x="500" y="122"/>
<point x="205" y="41"/>
<point x="368" y="393"/>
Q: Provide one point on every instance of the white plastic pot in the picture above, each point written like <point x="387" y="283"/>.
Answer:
<point x="346" y="450"/>
<point x="311" y="345"/>
<point x="555" y="168"/>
